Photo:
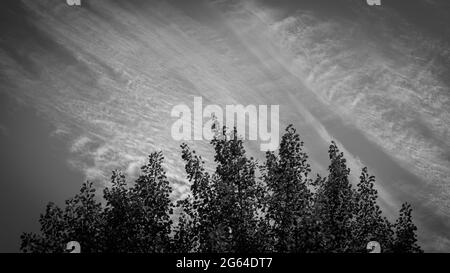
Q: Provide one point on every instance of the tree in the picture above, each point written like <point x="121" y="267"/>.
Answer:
<point x="369" y="224"/>
<point x="230" y="209"/>
<point x="136" y="220"/>
<point x="117" y="215"/>
<point x="151" y="207"/>
<point x="222" y="211"/>
<point x="405" y="232"/>
<point x="334" y="205"/>
<point x="197" y="216"/>
<point x="53" y="235"/>
<point x="237" y="190"/>
<point x="81" y="220"/>
<point x="289" y="200"/>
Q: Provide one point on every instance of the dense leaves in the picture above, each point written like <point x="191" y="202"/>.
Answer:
<point x="81" y="220"/>
<point x="241" y="207"/>
<point x="288" y="201"/>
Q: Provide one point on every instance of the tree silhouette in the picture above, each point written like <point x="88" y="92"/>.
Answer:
<point x="81" y="220"/>
<point x="118" y="214"/>
<point x="240" y="207"/>
<point x="223" y="206"/>
<point x="152" y="207"/>
<point x="198" y="215"/>
<point x="335" y="204"/>
<point x="289" y="200"/>
<point x="405" y="232"/>
<point x="369" y="223"/>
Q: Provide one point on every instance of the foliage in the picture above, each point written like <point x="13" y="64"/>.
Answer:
<point x="289" y="200"/>
<point x="81" y="221"/>
<point x="241" y="207"/>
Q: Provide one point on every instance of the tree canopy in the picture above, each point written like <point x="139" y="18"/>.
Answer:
<point x="242" y="207"/>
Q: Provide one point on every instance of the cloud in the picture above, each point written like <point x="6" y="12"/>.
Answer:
<point x="79" y="145"/>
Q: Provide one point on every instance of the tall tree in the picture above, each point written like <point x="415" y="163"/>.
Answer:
<point x="221" y="213"/>
<point x="197" y="214"/>
<point x="238" y="191"/>
<point x="151" y="207"/>
<point x="120" y="229"/>
<point x="405" y="232"/>
<point x="334" y="205"/>
<point x="369" y="223"/>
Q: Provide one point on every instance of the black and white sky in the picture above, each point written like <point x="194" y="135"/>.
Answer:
<point x="85" y="90"/>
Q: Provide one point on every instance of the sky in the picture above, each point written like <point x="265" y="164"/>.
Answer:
<point x="88" y="89"/>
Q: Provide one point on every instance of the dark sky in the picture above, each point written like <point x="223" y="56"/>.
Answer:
<point x="85" y="90"/>
<point x="34" y="171"/>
